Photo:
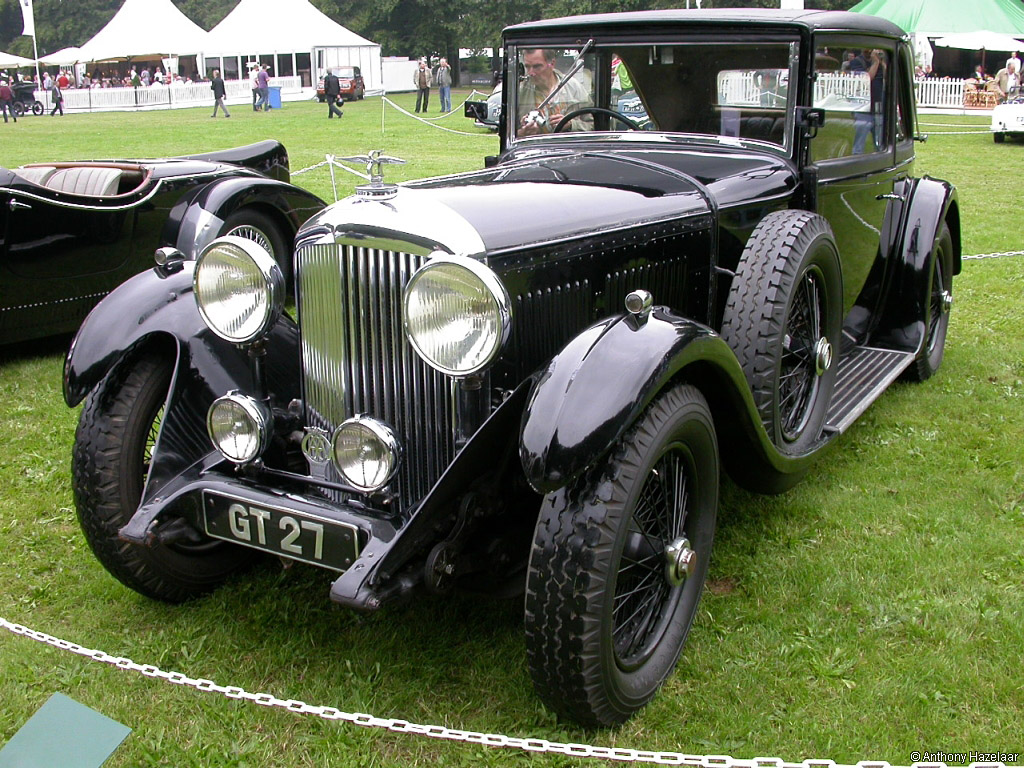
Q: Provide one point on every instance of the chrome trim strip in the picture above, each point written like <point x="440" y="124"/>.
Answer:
<point x="128" y="206"/>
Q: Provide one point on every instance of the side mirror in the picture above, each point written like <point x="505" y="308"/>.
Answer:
<point x="476" y="109"/>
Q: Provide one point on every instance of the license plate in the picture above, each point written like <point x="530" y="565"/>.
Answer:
<point x="285" y="532"/>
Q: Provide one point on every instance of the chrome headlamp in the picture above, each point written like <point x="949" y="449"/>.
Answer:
<point x="239" y="289"/>
<point x="365" y="452"/>
<point x="457" y="314"/>
<point x="239" y="426"/>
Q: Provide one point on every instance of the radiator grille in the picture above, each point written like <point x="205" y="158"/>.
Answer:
<point x="356" y="359"/>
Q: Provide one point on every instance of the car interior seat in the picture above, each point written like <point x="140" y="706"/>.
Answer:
<point x="37" y="174"/>
<point x="90" y="181"/>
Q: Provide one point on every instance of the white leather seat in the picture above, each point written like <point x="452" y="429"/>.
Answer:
<point x="86" y="180"/>
<point x="37" y="174"/>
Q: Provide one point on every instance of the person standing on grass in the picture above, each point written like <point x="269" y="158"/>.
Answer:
<point x="219" y="92"/>
<point x="58" y="99"/>
<point x="264" y="83"/>
<point x="444" y="85"/>
<point x="7" y="100"/>
<point x="332" y="90"/>
<point x="422" y="79"/>
<point x="254" y="83"/>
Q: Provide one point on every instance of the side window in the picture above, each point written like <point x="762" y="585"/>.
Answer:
<point x="853" y="89"/>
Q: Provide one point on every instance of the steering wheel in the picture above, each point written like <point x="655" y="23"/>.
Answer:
<point x="596" y="111"/>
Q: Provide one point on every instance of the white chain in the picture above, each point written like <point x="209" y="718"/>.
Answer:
<point x="998" y="255"/>
<point x="450" y="734"/>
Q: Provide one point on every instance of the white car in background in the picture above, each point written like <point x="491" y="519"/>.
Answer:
<point x="1008" y="119"/>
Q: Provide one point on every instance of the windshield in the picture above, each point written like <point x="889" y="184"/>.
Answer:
<point x="730" y="89"/>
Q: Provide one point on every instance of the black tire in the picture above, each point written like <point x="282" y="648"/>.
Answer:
<point x="783" y="319"/>
<point x="115" y="436"/>
<point x="250" y="223"/>
<point x="940" y="298"/>
<point x="998" y="137"/>
<point x="18" y="109"/>
<point x="37" y="108"/>
<point x="600" y="553"/>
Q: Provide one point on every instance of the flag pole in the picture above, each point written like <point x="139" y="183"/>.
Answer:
<point x="35" y="53"/>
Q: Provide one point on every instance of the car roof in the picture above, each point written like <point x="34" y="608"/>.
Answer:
<point x="842" y="21"/>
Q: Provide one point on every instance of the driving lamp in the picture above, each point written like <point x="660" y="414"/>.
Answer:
<point x="457" y="314"/>
<point x="365" y="452"/>
<point x="239" y="289"/>
<point x="239" y="427"/>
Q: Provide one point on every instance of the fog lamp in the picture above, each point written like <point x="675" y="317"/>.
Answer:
<point x="365" y="452"/>
<point x="239" y="427"/>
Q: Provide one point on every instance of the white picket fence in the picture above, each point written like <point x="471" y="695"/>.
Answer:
<point x="162" y="96"/>
<point x="940" y="92"/>
<point x="932" y="92"/>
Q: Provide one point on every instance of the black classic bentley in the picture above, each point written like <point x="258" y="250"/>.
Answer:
<point x="70" y="232"/>
<point x="527" y="378"/>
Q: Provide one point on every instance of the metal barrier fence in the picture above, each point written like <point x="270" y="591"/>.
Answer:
<point x="158" y="96"/>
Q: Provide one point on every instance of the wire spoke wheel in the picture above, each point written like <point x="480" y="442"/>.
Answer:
<point x="254" y="224"/>
<point x="644" y="598"/>
<point x="938" y="304"/>
<point x="250" y="232"/>
<point x="619" y="562"/>
<point x="115" y="446"/>
<point x="798" y="374"/>
<point x="783" y="319"/>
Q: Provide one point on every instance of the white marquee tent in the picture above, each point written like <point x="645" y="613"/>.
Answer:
<point x="9" y="60"/>
<point x="145" y="29"/>
<point x="293" y="37"/>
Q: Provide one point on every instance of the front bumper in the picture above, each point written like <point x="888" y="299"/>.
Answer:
<point x="357" y="586"/>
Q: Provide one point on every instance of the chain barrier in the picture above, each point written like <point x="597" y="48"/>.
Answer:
<point x="451" y="734"/>
<point x="427" y="120"/>
<point x="456" y="112"/>
<point x="997" y="255"/>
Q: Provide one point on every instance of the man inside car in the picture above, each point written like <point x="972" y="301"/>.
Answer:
<point x="541" y="79"/>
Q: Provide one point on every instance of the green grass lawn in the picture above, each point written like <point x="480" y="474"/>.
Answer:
<point x="873" y="611"/>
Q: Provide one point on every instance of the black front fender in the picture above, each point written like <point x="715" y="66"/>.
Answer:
<point x="155" y="310"/>
<point x="600" y="383"/>
<point x="199" y="221"/>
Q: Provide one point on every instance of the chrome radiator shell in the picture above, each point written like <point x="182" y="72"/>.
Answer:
<point x="356" y="359"/>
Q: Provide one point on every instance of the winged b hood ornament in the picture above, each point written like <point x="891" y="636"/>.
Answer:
<point x="375" y="160"/>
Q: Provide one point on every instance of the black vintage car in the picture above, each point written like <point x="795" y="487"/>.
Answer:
<point x="70" y="232"/>
<point x="527" y="378"/>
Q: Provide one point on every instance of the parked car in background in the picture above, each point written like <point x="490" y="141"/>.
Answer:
<point x="73" y="231"/>
<point x="349" y="79"/>
<point x="1008" y="120"/>
<point x="486" y="114"/>
<point x="529" y="378"/>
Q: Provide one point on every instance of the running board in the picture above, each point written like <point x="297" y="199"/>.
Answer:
<point x="864" y="374"/>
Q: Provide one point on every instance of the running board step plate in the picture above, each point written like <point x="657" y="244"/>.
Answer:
<point x="864" y="374"/>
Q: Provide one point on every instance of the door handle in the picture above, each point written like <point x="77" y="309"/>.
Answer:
<point x="890" y="196"/>
<point x="17" y="205"/>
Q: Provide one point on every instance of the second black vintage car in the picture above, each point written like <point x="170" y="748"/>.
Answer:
<point x="70" y="232"/>
<point x="529" y="378"/>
